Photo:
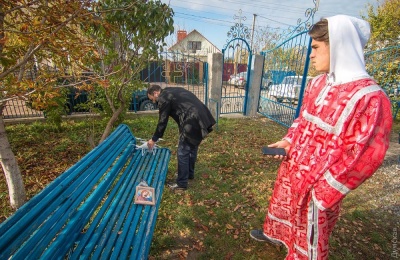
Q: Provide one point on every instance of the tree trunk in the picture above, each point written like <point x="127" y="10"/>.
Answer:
<point x="111" y="122"/>
<point x="11" y="170"/>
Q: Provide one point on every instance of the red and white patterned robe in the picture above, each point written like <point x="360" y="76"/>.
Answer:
<point x="338" y="141"/>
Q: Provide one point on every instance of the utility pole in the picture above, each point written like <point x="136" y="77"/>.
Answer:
<point x="252" y="32"/>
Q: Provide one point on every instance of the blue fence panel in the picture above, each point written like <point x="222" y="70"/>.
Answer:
<point x="285" y="78"/>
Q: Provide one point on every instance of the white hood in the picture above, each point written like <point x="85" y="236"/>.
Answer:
<point x="347" y="39"/>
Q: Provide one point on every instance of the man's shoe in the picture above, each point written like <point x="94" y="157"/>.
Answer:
<point x="259" y="236"/>
<point x="176" y="187"/>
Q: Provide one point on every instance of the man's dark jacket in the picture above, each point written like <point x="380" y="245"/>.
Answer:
<point x="193" y="117"/>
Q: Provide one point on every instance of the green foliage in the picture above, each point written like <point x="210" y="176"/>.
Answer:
<point x="49" y="45"/>
<point x="42" y="42"/>
<point x="384" y="66"/>
<point x="54" y="115"/>
<point x="384" y="21"/>
<point x="287" y="59"/>
<point x="129" y="35"/>
<point x="383" y="57"/>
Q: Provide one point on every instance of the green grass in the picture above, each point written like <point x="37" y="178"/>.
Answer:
<point x="228" y="198"/>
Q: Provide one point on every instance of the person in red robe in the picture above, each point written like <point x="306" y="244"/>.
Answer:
<point x="338" y="141"/>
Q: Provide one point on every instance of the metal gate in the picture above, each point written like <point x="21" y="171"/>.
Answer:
<point x="235" y="76"/>
<point x="285" y="77"/>
<point x="236" y="60"/>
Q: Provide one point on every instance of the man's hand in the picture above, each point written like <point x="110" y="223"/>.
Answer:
<point x="150" y="144"/>
<point x="281" y="144"/>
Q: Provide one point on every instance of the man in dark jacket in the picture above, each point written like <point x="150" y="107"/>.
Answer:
<point x="195" y="123"/>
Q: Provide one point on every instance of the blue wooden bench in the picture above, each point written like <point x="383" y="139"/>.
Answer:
<point x="88" y="212"/>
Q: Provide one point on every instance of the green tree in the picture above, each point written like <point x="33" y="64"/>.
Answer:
<point x="55" y="41"/>
<point x="38" y="39"/>
<point x="133" y="34"/>
<point x="383" y="56"/>
<point x="384" y="21"/>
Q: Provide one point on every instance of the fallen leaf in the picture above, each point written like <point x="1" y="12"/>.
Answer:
<point x="228" y="226"/>
<point x="237" y="207"/>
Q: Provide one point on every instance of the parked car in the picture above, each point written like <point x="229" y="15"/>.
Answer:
<point x="140" y="102"/>
<point x="288" y="90"/>
<point x="238" y="80"/>
<point x="77" y="101"/>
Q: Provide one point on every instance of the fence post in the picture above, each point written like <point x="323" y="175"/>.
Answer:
<point x="253" y="94"/>
<point x="215" y="82"/>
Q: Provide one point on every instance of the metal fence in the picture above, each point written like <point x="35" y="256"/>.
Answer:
<point x="169" y="69"/>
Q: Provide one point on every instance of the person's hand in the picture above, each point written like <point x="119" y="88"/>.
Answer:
<point x="281" y="144"/>
<point x="150" y="144"/>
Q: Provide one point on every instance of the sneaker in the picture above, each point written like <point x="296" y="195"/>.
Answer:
<point x="175" y="187"/>
<point x="259" y="236"/>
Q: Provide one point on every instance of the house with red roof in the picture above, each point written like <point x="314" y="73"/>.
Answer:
<point x="193" y="44"/>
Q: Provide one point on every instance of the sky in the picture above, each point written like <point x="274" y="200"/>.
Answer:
<point x="214" y="18"/>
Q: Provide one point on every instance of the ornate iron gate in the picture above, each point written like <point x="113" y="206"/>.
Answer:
<point x="289" y="61"/>
<point x="285" y="77"/>
<point x="237" y="57"/>
<point x="286" y="72"/>
<point x="236" y="76"/>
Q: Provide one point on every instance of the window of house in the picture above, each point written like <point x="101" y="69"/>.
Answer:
<point x="194" y="45"/>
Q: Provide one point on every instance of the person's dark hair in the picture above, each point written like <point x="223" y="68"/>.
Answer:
<point x="319" y="31"/>
<point x="152" y="89"/>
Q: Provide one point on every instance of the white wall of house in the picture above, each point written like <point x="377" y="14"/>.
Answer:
<point x="189" y="46"/>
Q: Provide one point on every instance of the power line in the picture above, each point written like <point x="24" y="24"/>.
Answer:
<point x="228" y="22"/>
<point x="220" y="22"/>
<point x="286" y="8"/>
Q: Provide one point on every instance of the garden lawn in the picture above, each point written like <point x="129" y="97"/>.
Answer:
<point x="228" y="198"/>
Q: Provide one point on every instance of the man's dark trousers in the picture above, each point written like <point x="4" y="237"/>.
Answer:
<point x="187" y="155"/>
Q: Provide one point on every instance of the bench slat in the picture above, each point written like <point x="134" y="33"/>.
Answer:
<point x="104" y="217"/>
<point x="82" y="214"/>
<point x="58" y="210"/>
<point x="55" y="187"/>
<point x="124" y="238"/>
<point x="89" y="211"/>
